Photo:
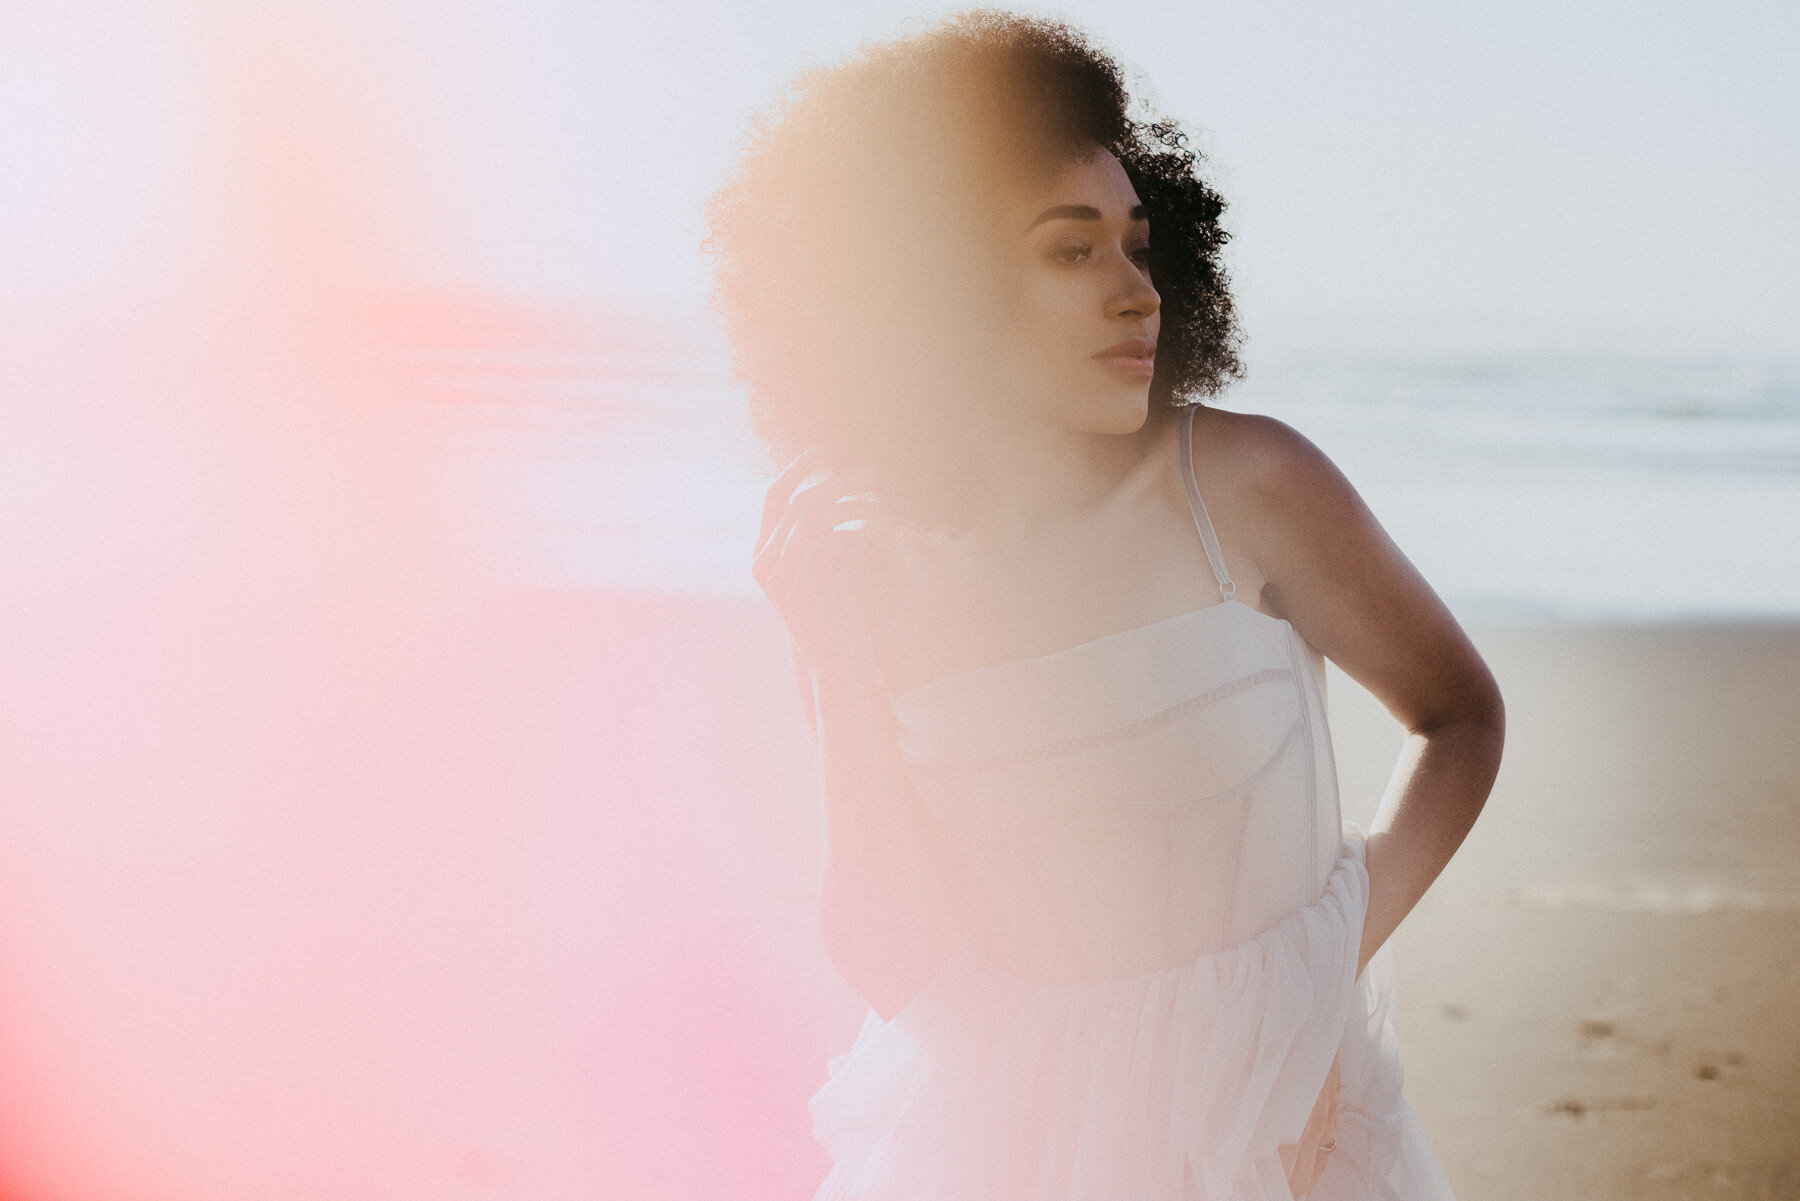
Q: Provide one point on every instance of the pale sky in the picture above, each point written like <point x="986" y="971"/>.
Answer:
<point x="1597" y="171"/>
<point x="1408" y="175"/>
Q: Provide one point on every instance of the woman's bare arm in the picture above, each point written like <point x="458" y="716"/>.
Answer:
<point x="1333" y="572"/>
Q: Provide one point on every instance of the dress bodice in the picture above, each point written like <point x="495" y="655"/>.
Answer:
<point x="1131" y="802"/>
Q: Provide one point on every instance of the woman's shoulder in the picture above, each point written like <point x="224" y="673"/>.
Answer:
<point x="1257" y="461"/>
<point x="1291" y="513"/>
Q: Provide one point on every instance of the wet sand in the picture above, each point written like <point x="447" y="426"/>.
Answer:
<point x="1599" y="997"/>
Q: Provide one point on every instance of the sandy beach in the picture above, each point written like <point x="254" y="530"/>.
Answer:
<point x="1598" y="997"/>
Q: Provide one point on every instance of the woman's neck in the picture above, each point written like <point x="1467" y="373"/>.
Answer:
<point x="1022" y="475"/>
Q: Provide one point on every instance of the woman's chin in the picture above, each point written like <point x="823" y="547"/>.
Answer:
<point x="1122" y="398"/>
<point x="1120" y="407"/>
<point x="1122" y="412"/>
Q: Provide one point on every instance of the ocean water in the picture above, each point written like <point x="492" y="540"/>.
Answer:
<point x="1529" y="487"/>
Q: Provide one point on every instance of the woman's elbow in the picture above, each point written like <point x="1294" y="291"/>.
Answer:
<point x="1488" y="718"/>
<point x="1474" y="714"/>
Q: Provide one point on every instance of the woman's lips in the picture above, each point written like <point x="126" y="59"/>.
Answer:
<point x="1134" y="357"/>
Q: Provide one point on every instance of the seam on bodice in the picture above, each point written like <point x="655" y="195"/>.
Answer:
<point x="1032" y="754"/>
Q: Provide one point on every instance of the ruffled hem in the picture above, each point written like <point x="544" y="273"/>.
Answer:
<point x="1163" y="1086"/>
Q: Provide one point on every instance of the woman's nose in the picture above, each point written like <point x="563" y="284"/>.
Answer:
<point x="1136" y="297"/>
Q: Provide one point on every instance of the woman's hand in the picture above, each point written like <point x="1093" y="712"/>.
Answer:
<point x="1305" y="1160"/>
<point x="816" y="572"/>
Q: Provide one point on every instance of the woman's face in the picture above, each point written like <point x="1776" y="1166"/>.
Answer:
<point x="1078" y="337"/>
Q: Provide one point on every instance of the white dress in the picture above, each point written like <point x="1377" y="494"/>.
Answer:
<point x="1162" y="962"/>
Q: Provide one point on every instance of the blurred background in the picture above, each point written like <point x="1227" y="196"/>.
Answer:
<point x="402" y="790"/>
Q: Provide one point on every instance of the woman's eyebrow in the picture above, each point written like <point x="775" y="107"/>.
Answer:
<point x="1081" y="212"/>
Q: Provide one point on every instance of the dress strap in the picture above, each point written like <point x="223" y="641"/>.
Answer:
<point x="1201" y="521"/>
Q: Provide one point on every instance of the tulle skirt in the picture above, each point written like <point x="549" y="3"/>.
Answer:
<point x="1172" y="1085"/>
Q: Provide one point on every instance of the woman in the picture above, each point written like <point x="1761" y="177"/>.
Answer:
<point x="1061" y="631"/>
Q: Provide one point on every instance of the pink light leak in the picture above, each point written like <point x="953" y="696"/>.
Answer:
<point x="332" y="865"/>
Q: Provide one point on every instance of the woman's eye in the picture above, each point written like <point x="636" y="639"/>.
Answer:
<point x="1075" y="252"/>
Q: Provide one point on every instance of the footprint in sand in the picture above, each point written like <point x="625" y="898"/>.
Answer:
<point x="1714" y="1067"/>
<point x="1605" y="1039"/>
<point x="1577" y="1109"/>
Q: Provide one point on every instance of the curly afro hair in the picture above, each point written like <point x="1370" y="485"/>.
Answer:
<point x="828" y="240"/>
